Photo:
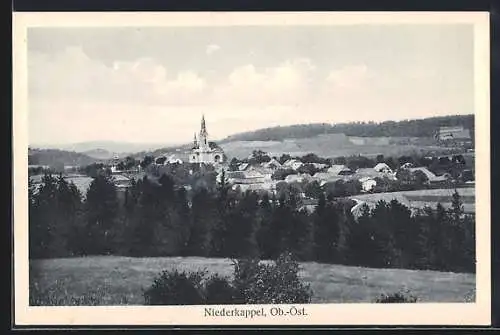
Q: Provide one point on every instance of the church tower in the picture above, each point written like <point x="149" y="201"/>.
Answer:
<point x="203" y="134"/>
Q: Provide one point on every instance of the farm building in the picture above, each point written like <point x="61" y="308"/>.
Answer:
<point x="453" y="133"/>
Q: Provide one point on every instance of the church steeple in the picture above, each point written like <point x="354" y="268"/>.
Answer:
<point x="195" y="141"/>
<point x="203" y="131"/>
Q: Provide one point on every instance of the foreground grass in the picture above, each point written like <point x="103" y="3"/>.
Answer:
<point x="111" y="280"/>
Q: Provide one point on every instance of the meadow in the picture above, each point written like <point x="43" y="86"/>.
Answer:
<point x="422" y="198"/>
<point x="331" y="145"/>
<point x="113" y="280"/>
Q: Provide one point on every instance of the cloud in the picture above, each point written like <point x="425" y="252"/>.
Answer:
<point x="212" y="48"/>
<point x="72" y="74"/>
<point x="349" y="77"/>
<point x="284" y="84"/>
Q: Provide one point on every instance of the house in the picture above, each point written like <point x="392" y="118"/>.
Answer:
<point x="372" y="200"/>
<point x="319" y="166"/>
<point x="164" y="160"/>
<point x="430" y="175"/>
<point x="453" y="133"/>
<point x="172" y="159"/>
<point x="367" y="183"/>
<point x="272" y="164"/>
<point x="383" y="168"/>
<point x="250" y="180"/>
<point x="293" y="164"/>
<point x="266" y="172"/>
<point x="245" y="177"/>
<point x="326" y="177"/>
<point x="340" y="170"/>
<point x="298" y="178"/>
<point x="121" y="182"/>
<point x="372" y="173"/>
<point x="407" y="166"/>
<point x="243" y="166"/>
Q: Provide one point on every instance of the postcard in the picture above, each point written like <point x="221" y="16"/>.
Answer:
<point x="260" y="168"/>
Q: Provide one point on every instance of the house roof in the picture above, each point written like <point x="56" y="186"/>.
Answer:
<point x="381" y="166"/>
<point x="431" y="176"/>
<point x="272" y="162"/>
<point x="119" y="177"/>
<point x="336" y="169"/>
<point x="243" y="166"/>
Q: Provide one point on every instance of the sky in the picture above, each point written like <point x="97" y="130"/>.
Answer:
<point x="152" y="85"/>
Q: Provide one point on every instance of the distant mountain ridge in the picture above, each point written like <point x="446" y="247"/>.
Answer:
<point x="103" y="148"/>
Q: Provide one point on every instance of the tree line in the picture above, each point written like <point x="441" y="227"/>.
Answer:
<point x="158" y="218"/>
<point x="407" y="128"/>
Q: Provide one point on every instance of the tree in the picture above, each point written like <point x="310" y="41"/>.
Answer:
<point x="233" y="165"/>
<point x="241" y="231"/>
<point x="147" y="161"/>
<point x="313" y="190"/>
<point x="203" y="218"/>
<point x="285" y="157"/>
<point x="457" y="208"/>
<point x="260" y="156"/>
<point x="101" y="206"/>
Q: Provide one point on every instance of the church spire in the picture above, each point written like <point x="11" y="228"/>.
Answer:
<point x="203" y="132"/>
<point x="195" y="139"/>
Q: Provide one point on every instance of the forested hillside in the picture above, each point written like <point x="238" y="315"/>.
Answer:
<point x="407" y="128"/>
<point x="58" y="158"/>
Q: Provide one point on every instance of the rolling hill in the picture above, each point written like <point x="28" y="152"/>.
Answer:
<point x="408" y="128"/>
<point x="58" y="158"/>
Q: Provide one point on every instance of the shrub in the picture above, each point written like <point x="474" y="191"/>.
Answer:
<point x="254" y="283"/>
<point x="398" y="297"/>
<point x="218" y="290"/>
<point x="278" y="283"/>
<point x="176" y="288"/>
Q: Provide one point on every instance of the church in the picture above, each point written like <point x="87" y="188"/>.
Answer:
<point x="204" y="151"/>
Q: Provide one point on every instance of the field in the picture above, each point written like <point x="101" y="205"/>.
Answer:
<point x="331" y="145"/>
<point x="422" y="198"/>
<point x="112" y="280"/>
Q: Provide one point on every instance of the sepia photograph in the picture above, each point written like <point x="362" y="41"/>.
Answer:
<point x="219" y="163"/>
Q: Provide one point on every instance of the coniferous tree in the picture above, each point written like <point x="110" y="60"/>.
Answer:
<point x="43" y="232"/>
<point x="203" y="218"/>
<point x="101" y="207"/>
<point x="263" y="235"/>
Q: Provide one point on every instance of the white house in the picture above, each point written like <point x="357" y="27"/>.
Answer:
<point x="272" y="164"/>
<point x="298" y="178"/>
<point x="293" y="164"/>
<point x="383" y="168"/>
<point x="367" y="183"/>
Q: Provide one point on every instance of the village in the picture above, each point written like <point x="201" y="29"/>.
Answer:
<point x="415" y="182"/>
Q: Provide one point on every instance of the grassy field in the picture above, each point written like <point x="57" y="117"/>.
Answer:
<point x="422" y="198"/>
<point x="328" y="145"/>
<point x="111" y="280"/>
